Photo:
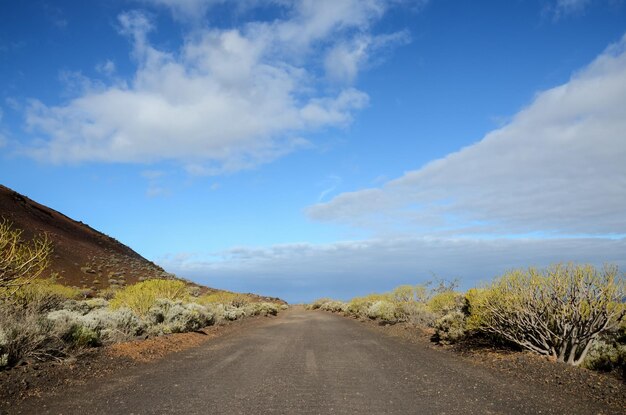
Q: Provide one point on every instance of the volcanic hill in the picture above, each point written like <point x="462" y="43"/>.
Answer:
<point x="82" y="256"/>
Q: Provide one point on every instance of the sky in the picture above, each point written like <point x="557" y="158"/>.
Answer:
<point x="309" y="148"/>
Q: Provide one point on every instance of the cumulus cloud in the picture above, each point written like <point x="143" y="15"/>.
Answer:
<point x="558" y="166"/>
<point x="228" y="99"/>
<point x="302" y="272"/>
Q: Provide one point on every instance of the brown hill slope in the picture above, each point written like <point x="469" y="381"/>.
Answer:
<point x="82" y="257"/>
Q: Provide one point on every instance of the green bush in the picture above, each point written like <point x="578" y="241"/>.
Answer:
<point x="334" y="306"/>
<point x="226" y="298"/>
<point x="81" y="337"/>
<point x="559" y="312"/>
<point x="318" y="303"/>
<point x="450" y="328"/>
<point x="43" y="295"/>
<point x="176" y="317"/>
<point x="445" y="302"/>
<point x="383" y="310"/>
<point x="142" y="296"/>
<point x="261" y="309"/>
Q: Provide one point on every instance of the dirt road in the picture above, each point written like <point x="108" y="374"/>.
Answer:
<point x="311" y="363"/>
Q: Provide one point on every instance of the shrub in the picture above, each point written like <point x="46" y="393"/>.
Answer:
<point x="142" y="296"/>
<point x="445" y="302"/>
<point x="558" y="313"/>
<point x="225" y="297"/>
<point x="334" y="306"/>
<point x="81" y="337"/>
<point x="262" y="309"/>
<point x="359" y="306"/>
<point x="20" y="262"/>
<point x="383" y="310"/>
<point x="233" y="313"/>
<point x="25" y="333"/>
<point x="176" y="317"/>
<point x="113" y="325"/>
<point x="416" y="313"/>
<point x="607" y="355"/>
<point x="43" y="295"/>
<point x="318" y="303"/>
<point x="85" y="306"/>
<point x="450" y="328"/>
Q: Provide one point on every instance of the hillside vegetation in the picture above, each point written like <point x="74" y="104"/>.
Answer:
<point x="43" y="320"/>
<point x="571" y="313"/>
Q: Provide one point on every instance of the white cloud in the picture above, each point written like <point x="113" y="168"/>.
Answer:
<point x="185" y="9"/>
<point x="227" y="99"/>
<point x="302" y="272"/>
<point x="558" y="166"/>
<point x="344" y="61"/>
<point x="565" y="7"/>
<point x="107" y="67"/>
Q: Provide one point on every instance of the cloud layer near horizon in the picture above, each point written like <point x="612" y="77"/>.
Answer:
<point x="558" y="167"/>
<point x="303" y="272"/>
<point x="228" y="99"/>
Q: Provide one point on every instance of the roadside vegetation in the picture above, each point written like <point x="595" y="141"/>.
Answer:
<point x="571" y="313"/>
<point x="42" y="320"/>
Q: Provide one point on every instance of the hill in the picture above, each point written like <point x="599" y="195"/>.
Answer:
<point x="82" y="256"/>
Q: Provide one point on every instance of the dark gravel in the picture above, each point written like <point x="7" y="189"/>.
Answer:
<point x="313" y="363"/>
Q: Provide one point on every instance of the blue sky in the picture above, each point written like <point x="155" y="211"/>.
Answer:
<point x="303" y="148"/>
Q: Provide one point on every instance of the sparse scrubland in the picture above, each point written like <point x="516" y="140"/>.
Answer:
<point x="571" y="313"/>
<point x="42" y="320"/>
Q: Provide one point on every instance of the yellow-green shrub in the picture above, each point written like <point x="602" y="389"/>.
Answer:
<point x="21" y="261"/>
<point x="225" y="297"/>
<point x="558" y="312"/>
<point x="359" y="306"/>
<point x="42" y="294"/>
<point x="445" y="302"/>
<point x="140" y="297"/>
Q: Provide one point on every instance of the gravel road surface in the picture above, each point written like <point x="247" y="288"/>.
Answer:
<point x="306" y="362"/>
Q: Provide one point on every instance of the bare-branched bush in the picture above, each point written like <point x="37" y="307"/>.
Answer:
<point x="20" y="261"/>
<point x="558" y="313"/>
